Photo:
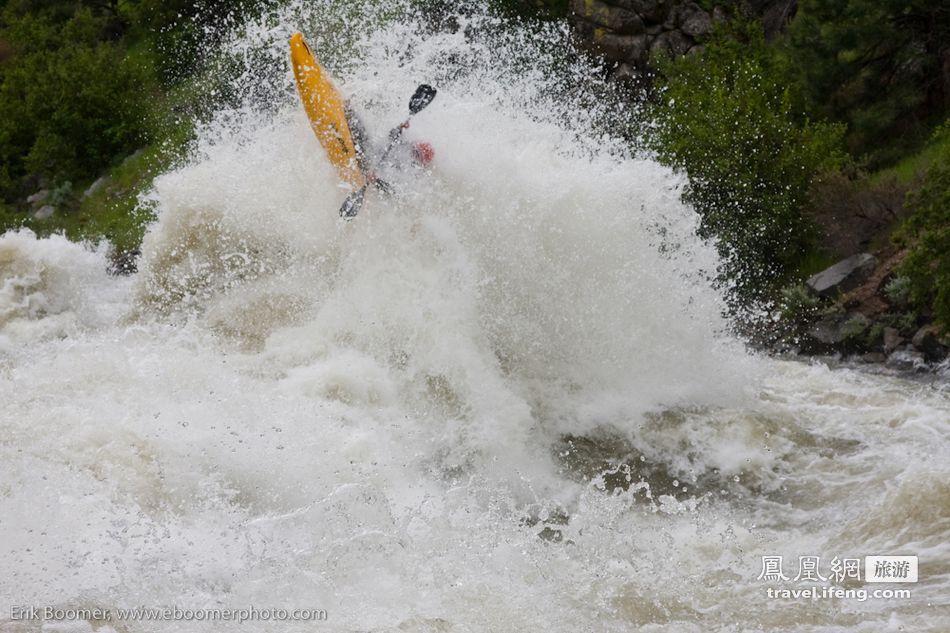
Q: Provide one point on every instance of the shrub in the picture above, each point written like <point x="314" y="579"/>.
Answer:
<point x="798" y="303"/>
<point x="898" y="290"/>
<point x="927" y="232"/>
<point x="855" y="328"/>
<point x="731" y="120"/>
<point x="70" y="99"/>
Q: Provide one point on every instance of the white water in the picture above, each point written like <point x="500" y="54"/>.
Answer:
<point x="283" y="410"/>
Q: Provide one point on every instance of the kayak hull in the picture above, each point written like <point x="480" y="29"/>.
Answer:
<point x="326" y="110"/>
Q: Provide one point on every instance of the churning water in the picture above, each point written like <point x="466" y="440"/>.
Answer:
<point x="503" y="399"/>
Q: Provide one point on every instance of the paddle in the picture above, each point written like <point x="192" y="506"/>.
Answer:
<point x="420" y="99"/>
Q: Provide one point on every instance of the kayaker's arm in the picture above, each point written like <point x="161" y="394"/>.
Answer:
<point x="422" y="97"/>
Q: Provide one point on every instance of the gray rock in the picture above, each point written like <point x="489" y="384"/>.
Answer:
<point x="44" y="212"/>
<point x="38" y="198"/>
<point x="673" y="18"/>
<point x="133" y="156"/>
<point x="828" y="331"/>
<point x="622" y="48"/>
<point x="637" y="48"/>
<point x="846" y="275"/>
<point x="660" y="46"/>
<point x="874" y="357"/>
<point x="835" y="333"/>
<point x="927" y="341"/>
<point x="617" y="19"/>
<point x="679" y="43"/>
<point x="649" y="10"/>
<point x="892" y="339"/>
<point x="698" y="24"/>
<point x="94" y="187"/>
<point x="670" y="43"/>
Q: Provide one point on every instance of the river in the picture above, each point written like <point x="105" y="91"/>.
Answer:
<point x="504" y="398"/>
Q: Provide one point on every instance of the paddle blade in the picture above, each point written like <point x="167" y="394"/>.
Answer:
<point x="421" y="98"/>
<point x="353" y="203"/>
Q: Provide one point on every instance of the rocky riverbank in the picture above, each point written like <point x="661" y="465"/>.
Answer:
<point x="629" y="34"/>
<point x="859" y="309"/>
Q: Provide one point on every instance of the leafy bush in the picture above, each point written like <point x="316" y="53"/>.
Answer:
<point x="798" y="303"/>
<point x="928" y="234"/>
<point x="855" y="328"/>
<point x="730" y="119"/>
<point x="898" y="291"/>
<point x="71" y="101"/>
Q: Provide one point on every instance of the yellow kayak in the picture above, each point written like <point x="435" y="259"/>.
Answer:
<point x="326" y="112"/>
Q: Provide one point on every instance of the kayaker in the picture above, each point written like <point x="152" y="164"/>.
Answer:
<point x="421" y="153"/>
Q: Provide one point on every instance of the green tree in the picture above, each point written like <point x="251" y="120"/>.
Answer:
<point x="70" y="98"/>
<point x="729" y="118"/>
<point x="881" y="66"/>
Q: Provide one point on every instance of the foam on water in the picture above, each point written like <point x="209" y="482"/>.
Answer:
<point x="436" y="417"/>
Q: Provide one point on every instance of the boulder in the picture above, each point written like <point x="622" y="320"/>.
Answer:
<point x="927" y="342"/>
<point x="670" y="43"/>
<point x="697" y="25"/>
<point x="134" y="155"/>
<point x="673" y="17"/>
<point x="835" y="333"/>
<point x="680" y="43"/>
<point x="824" y="336"/>
<point x="621" y="48"/>
<point x="650" y="10"/>
<point x="94" y="187"/>
<point x="892" y="339"/>
<point x="38" y="198"/>
<point x="617" y="19"/>
<point x="846" y="275"/>
<point x="44" y="212"/>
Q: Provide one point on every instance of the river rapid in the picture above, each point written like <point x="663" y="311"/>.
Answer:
<point x="502" y="399"/>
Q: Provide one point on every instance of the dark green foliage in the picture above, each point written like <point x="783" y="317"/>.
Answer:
<point x="878" y="65"/>
<point x="177" y="31"/>
<point x="928" y="234"/>
<point x="71" y="99"/>
<point x="730" y="120"/>
<point x="83" y="78"/>
<point x="84" y="83"/>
